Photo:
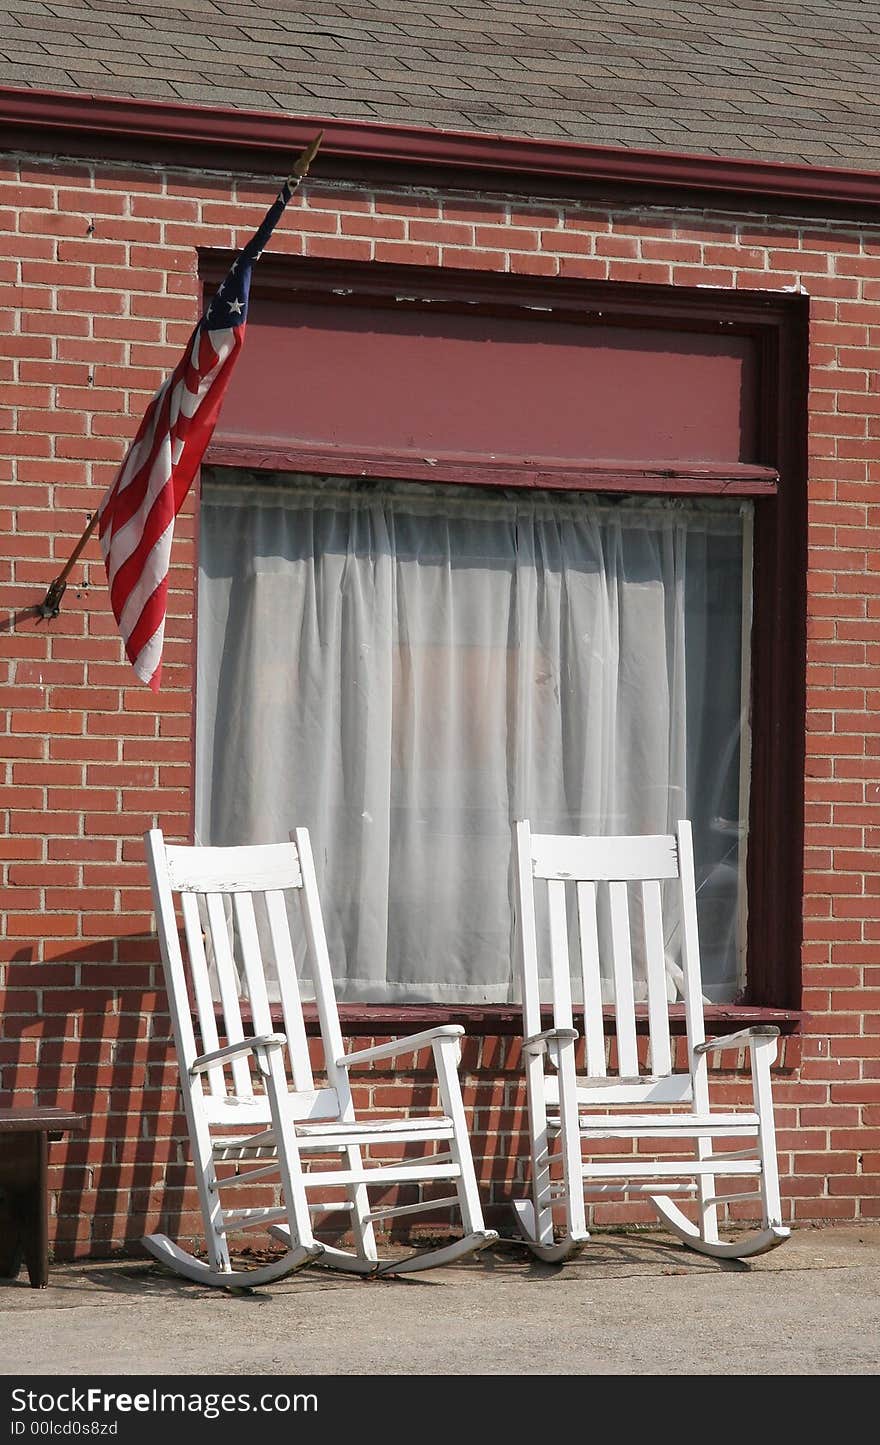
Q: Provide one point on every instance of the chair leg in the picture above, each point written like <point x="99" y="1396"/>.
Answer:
<point x="565" y="1248"/>
<point x="762" y="1057"/>
<point x="706" y="1191"/>
<point x="535" y="1216"/>
<point x="362" y="1225"/>
<point x="476" y="1235"/>
<point x="207" y="1185"/>
<point x="446" y="1056"/>
<point x="330" y="1256"/>
<point x="570" y="1145"/>
<point x="289" y="1160"/>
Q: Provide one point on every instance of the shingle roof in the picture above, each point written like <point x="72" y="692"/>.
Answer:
<point x="798" y="81"/>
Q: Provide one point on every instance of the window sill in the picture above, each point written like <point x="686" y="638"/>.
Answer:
<point x="488" y="1021"/>
<point x="501" y="1019"/>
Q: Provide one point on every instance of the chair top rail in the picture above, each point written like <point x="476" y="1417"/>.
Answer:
<point x="252" y="869"/>
<point x="613" y="859"/>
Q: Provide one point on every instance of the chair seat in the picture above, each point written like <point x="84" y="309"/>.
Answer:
<point x="435" y="1125"/>
<point x="335" y="1134"/>
<point x="599" y="1126"/>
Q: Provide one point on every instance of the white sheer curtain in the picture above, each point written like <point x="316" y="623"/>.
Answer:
<point x="406" y="669"/>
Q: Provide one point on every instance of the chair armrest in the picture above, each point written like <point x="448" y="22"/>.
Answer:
<point x="734" y="1041"/>
<point x="537" y="1043"/>
<point x="409" y="1045"/>
<point x="234" y="1051"/>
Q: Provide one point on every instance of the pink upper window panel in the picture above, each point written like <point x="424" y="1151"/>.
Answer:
<point x="430" y="383"/>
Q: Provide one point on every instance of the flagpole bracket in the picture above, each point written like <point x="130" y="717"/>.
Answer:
<point x="51" y="604"/>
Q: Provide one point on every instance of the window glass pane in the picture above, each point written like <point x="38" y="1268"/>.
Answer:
<point x="406" y="669"/>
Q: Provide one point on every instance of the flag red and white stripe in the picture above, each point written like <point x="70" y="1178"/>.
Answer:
<point x="136" y="517"/>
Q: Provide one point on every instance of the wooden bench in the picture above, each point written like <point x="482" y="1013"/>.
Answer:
<point x="24" y="1196"/>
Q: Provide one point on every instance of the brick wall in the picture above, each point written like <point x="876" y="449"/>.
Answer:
<point x="99" y="294"/>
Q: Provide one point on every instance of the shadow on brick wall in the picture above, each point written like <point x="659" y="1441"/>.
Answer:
<point x="90" y="1031"/>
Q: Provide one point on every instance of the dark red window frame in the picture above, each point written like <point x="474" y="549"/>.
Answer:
<point x="775" y="477"/>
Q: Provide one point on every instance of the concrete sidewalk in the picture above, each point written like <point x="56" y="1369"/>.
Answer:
<point x="635" y="1304"/>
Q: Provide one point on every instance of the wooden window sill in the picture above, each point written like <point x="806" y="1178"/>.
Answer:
<point x="502" y="1019"/>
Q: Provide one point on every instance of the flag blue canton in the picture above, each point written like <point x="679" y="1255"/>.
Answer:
<point x="230" y="302"/>
<point x="229" y="306"/>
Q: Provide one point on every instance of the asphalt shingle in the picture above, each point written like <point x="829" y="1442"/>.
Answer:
<point x="796" y="81"/>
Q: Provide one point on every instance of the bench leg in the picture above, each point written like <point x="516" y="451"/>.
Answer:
<point x="24" y="1214"/>
<point x="10" y="1244"/>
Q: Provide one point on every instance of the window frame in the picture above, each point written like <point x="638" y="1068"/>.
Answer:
<point x="777" y="325"/>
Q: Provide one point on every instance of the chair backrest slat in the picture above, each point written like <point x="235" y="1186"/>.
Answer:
<point x="526" y="932"/>
<point x="655" y="964"/>
<point x="288" y="987"/>
<point x="594" y="1028"/>
<point x="252" y="958"/>
<point x="690" y="963"/>
<point x="228" y="985"/>
<point x="325" y="994"/>
<point x="624" y="1000"/>
<point x="201" y="983"/>
<point x="559" y="965"/>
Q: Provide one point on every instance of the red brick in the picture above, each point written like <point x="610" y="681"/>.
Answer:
<point x="343" y="248"/>
<point x="410" y="253"/>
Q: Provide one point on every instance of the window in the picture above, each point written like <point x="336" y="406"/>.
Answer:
<point x="407" y="668"/>
<point x="690" y="399"/>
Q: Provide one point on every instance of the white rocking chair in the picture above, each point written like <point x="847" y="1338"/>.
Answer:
<point x="252" y="1107"/>
<point x="564" y="1105"/>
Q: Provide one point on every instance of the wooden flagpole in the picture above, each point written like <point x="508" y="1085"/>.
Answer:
<point x="51" y="604"/>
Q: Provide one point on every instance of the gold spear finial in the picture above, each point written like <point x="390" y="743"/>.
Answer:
<point x="303" y="161"/>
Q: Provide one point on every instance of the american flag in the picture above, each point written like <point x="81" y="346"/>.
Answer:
<point x="136" y="517"/>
